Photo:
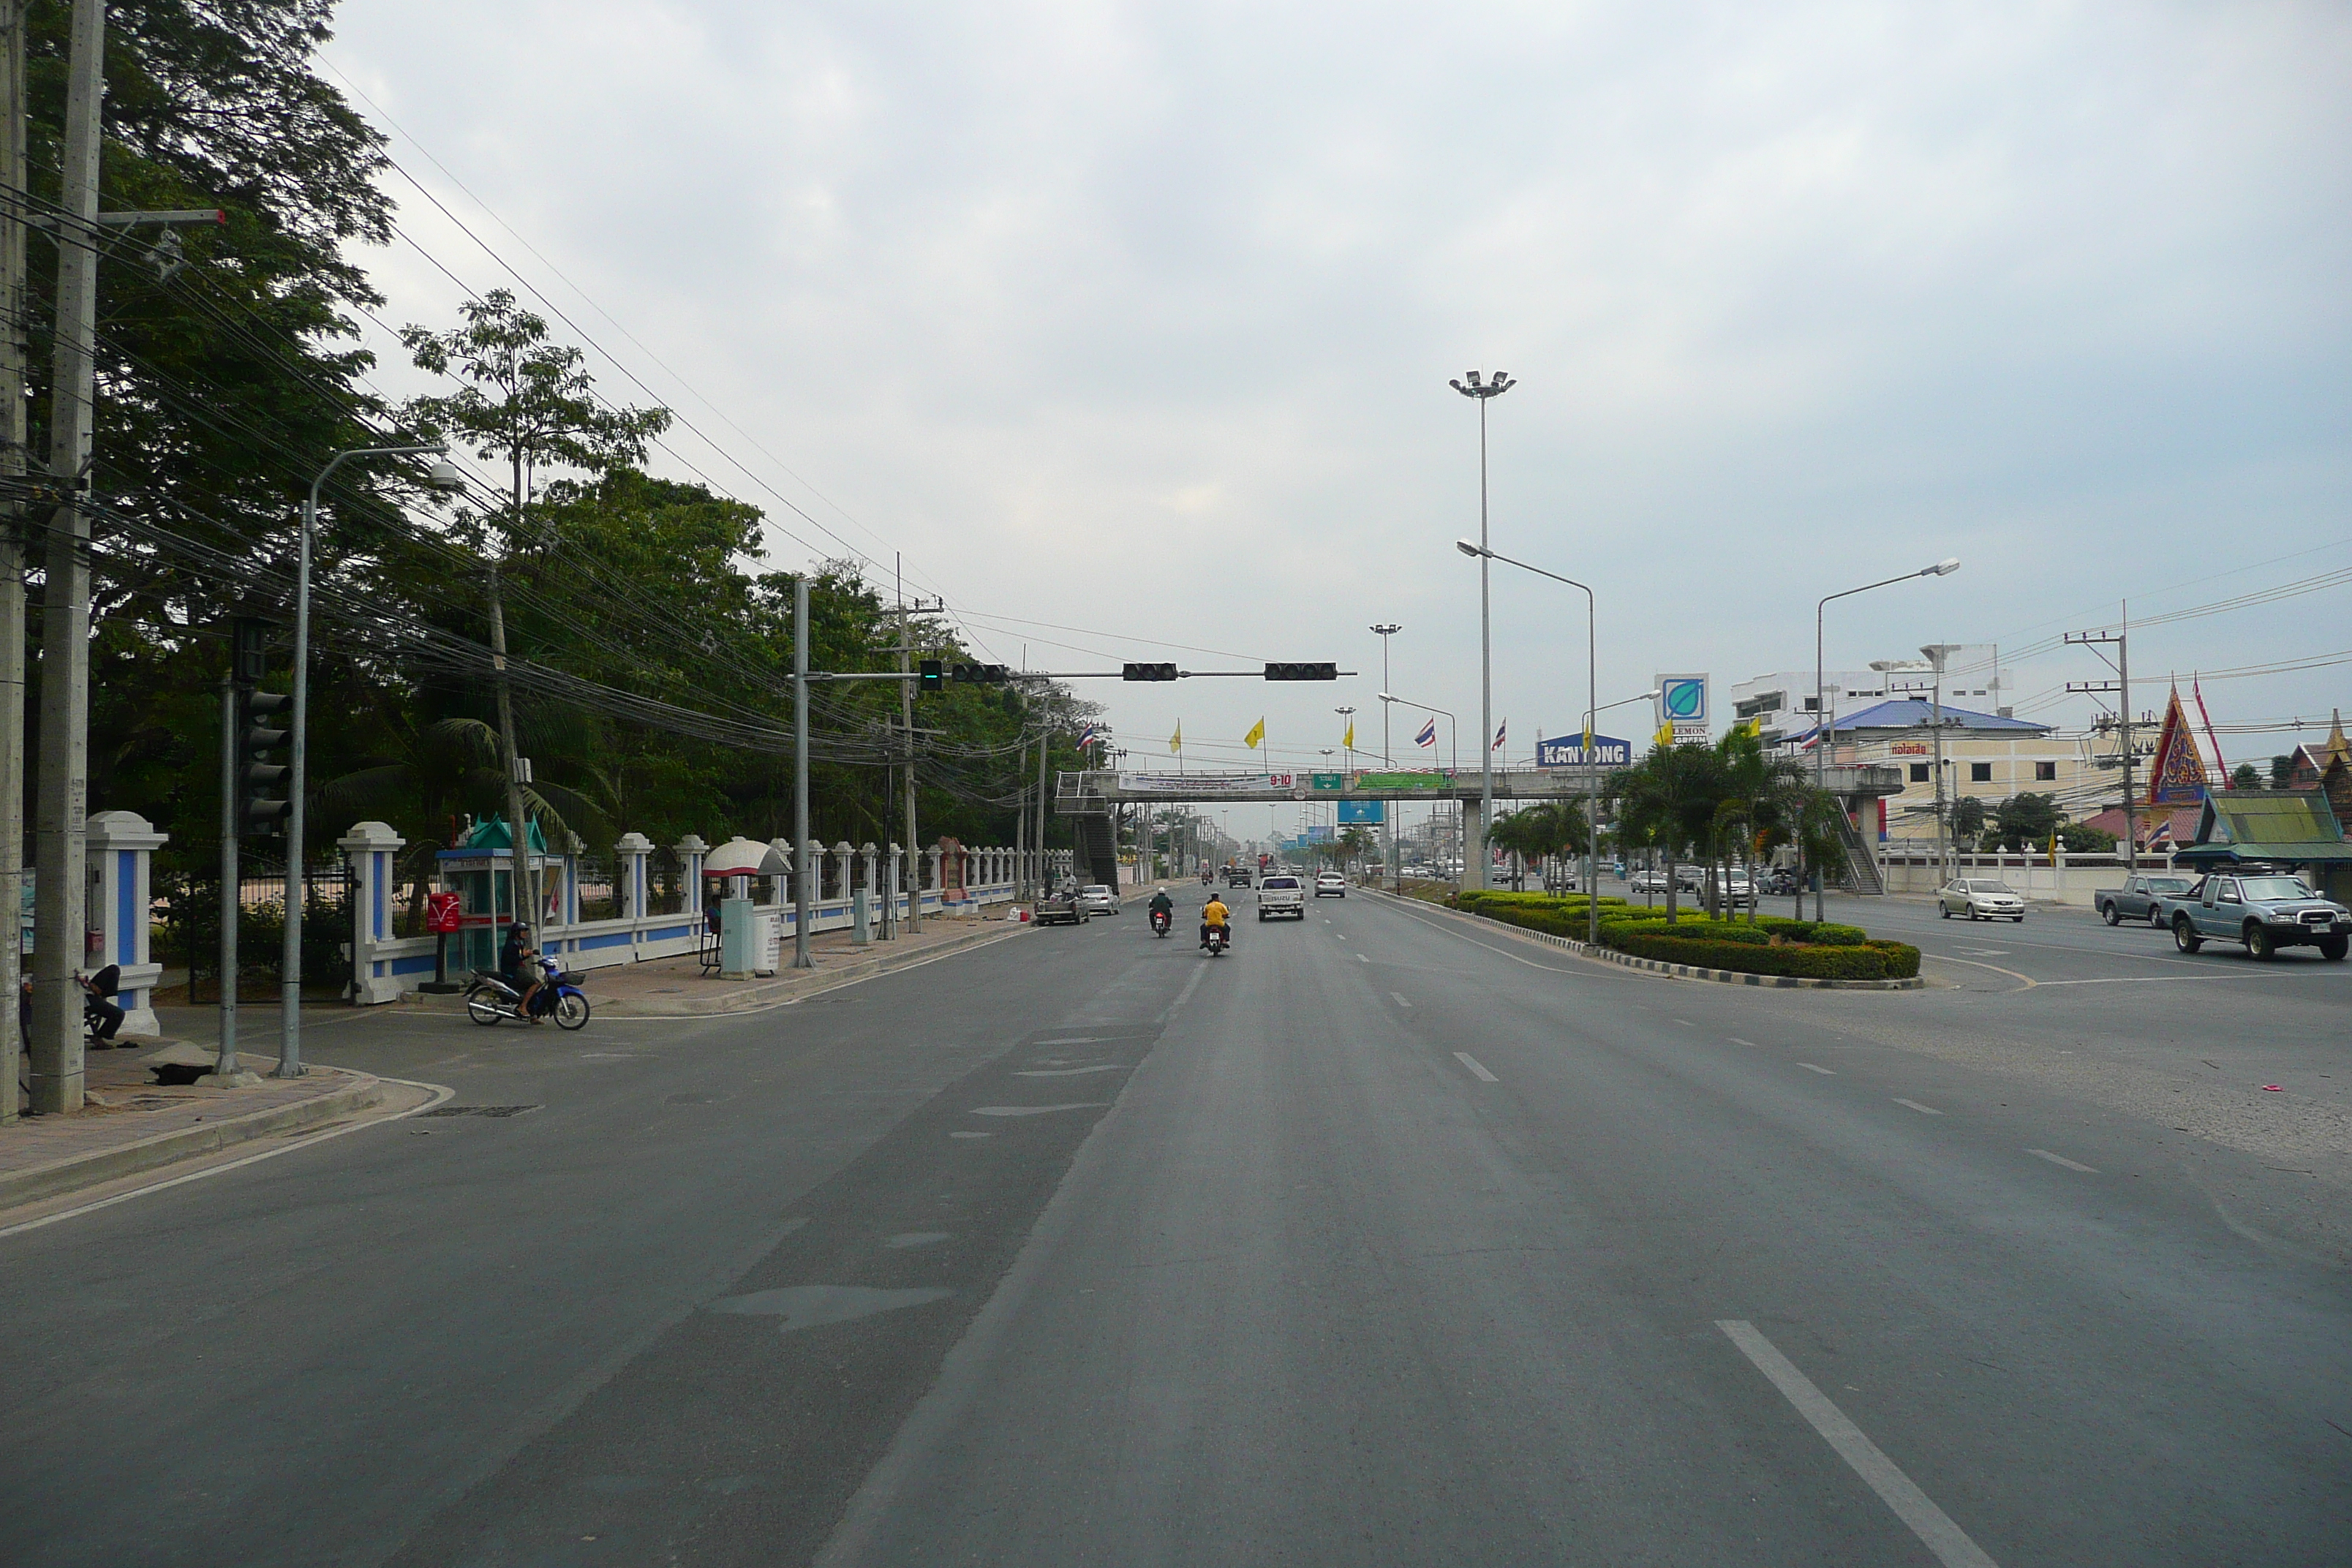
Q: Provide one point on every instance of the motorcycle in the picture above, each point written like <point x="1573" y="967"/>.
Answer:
<point x="1161" y="920"/>
<point x="1219" y="939"/>
<point x="490" y="999"/>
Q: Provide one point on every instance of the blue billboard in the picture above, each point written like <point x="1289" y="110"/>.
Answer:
<point x="1356" y="811"/>
<point x="1567" y="752"/>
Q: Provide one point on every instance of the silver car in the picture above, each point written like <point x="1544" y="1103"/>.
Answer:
<point x="1098" y="899"/>
<point x="1979" y="899"/>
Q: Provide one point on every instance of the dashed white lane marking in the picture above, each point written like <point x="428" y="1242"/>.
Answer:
<point x="1342" y="935"/>
<point x="1077" y="1039"/>
<point x="1069" y="1072"/>
<point x="1038" y="1109"/>
<point x="1399" y="996"/>
<point x="2062" y="1160"/>
<point x="972" y="1134"/>
<point x="1922" y="1109"/>
<point x="1186" y="994"/>
<point x="1362" y="959"/>
<point x="1480" y="1073"/>
<point x="1685" y="1023"/>
<point x="1825" y="1072"/>
<point x="1735" y="1040"/>
<point x="1931" y="1524"/>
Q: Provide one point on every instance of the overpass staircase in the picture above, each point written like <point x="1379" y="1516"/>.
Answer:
<point x="1079" y="797"/>
<point x="1861" y="873"/>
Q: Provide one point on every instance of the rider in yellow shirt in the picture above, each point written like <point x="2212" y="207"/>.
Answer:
<point x="1213" y="914"/>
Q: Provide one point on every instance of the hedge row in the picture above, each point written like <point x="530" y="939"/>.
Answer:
<point x="1865" y="960"/>
<point x="1821" y="933"/>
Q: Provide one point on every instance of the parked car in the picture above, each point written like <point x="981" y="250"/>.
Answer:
<point x="1980" y="898"/>
<point x="1330" y="884"/>
<point x="2140" y="899"/>
<point x="1060" y="909"/>
<point x="1648" y="883"/>
<point x="1099" y="899"/>
<point x="2265" y="911"/>
<point x="1781" y="881"/>
<point x="1279" y="893"/>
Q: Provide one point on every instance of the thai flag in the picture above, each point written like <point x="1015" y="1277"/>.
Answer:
<point x="2161" y="838"/>
<point x="1428" y="736"/>
<point x="1500" y="730"/>
<point x="1086" y="737"/>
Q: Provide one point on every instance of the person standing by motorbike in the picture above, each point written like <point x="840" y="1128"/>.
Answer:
<point x="516" y="968"/>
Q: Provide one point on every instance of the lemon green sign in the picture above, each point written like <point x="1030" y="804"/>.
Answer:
<point x="1401" y="781"/>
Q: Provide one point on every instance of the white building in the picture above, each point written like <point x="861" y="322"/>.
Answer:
<point x="1784" y="699"/>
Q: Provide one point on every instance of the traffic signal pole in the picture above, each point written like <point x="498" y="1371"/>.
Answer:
<point x="225" y="1063"/>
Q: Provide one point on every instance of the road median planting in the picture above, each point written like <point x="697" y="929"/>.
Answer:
<point x="1800" y="949"/>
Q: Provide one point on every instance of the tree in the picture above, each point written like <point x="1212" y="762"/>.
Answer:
<point x="2281" y="771"/>
<point x="2244" y="776"/>
<point x="2026" y="821"/>
<point x="1968" y="819"/>
<point x="1669" y="798"/>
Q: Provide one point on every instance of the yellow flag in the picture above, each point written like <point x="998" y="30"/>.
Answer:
<point x="1256" y="735"/>
<point x="1176" y="741"/>
<point x="1666" y="735"/>
<point x="1348" y="739"/>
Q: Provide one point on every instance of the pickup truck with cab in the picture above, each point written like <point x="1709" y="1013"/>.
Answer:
<point x="1060" y="907"/>
<point x="1279" y="893"/>
<point x="2141" y="898"/>
<point x="2265" y="911"/>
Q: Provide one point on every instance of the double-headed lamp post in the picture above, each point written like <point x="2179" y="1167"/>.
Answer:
<point x="446" y="479"/>
<point x="1385" y="630"/>
<point x="1823" y="730"/>
<point x="1483" y="392"/>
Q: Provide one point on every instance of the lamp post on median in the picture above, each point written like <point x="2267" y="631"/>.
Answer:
<point x="1822" y="729"/>
<point x="445" y="478"/>
<point x="1385" y="630"/>
<point x="1592" y="817"/>
<point x="1483" y="392"/>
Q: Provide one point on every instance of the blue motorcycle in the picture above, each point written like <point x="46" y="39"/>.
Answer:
<point x="490" y="999"/>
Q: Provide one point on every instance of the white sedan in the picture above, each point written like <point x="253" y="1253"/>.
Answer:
<point x="1330" y="882"/>
<point x="1098" y="899"/>
<point x="1979" y="899"/>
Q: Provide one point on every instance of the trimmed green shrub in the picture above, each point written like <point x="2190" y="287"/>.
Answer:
<point x="1863" y="961"/>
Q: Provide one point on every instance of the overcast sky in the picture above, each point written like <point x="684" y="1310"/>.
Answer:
<point x="1140" y="318"/>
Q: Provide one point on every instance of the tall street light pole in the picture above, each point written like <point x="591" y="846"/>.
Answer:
<point x="446" y="479"/>
<point x="1454" y="727"/>
<point x="1823" y="730"/>
<point x="1483" y="392"/>
<point x="1385" y="630"/>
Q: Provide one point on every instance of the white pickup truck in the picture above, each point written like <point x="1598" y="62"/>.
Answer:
<point x="1279" y="893"/>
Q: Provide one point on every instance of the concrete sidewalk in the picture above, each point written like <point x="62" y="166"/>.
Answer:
<point x="132" y="1124"/>
<point x="681" y="988"/>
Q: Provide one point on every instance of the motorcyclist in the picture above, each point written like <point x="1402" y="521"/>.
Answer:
<point x="1163" y="907"/>
<point x="1214" y="915"/>
<point x="517" y="970"/>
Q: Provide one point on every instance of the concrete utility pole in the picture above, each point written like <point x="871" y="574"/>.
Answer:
<point x="2121" y="687"/>
<point x="225" y="1063"/>
<point x="61" y="824"/>
<point x="1021" y="822"/>
<point x="907" y="729"/>
<point x="802" y="911"/>
<point x="1044" y="870"/>
<point x="13" y="459"/>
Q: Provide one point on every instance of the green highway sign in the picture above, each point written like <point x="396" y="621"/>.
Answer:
<point x="1328" y="781"/>
<point x="1401" y="781"/>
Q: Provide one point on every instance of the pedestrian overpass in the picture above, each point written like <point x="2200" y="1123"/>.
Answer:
<point x="1093" y="796"/>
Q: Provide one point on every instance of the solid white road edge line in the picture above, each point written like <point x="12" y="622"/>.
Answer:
<point x="1480" y="1073"/>
<point x="1931" y="1524"/>
<point x="1922" y="1109"/>
<point x="439" y="1093"/>
<point x="2062" y="1160"/>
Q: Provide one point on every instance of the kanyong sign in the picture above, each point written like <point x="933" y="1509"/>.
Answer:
<point x="1567" y="752"/>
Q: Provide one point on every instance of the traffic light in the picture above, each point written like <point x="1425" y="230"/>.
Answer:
<point x="982" y="674"/>
<point x="1302" y="672"/>
<point x="1147" y="672"/>
<point x="259" y="813"/>
<point x="934" y="675"/>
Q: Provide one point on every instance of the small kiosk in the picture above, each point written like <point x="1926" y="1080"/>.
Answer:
<point x="747" y="939"/>
<point x="480" y="871"/>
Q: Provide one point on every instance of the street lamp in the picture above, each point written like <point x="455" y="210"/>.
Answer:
<point x="1592" y="817"/>
<point x="1592" y="643"/>
<point x="1485" y="392"/>
<point x="1385" y="630"/>
<point x="1821" y="733"/>
<point x="446" y="479"/>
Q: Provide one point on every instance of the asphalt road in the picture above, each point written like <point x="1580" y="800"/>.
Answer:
<point x="1385" y="1238"/>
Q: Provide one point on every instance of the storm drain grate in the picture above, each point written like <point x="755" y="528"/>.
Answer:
<point x="478" y="1110"/>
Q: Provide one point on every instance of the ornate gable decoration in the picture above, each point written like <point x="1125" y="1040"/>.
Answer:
<point x="2176" y="775"/>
